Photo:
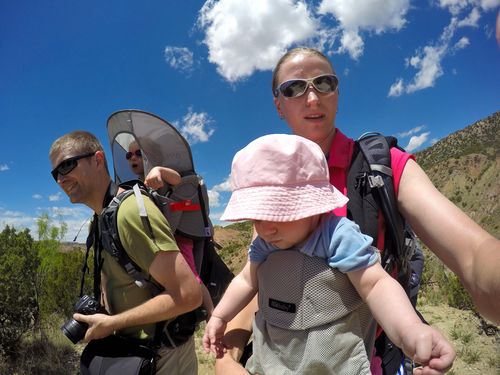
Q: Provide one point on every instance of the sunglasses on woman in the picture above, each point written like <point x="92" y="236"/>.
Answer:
<point x="69" y="164"/>
<point x="293" y="88"/>
<point x="129" y="154"/>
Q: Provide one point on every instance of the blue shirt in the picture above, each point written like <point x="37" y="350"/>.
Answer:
<point x="337" y="239"/>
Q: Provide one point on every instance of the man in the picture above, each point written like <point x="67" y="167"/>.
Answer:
<point x="80" y="168"/>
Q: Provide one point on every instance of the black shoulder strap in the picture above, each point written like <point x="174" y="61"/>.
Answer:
<point x="378" y="180"/>
<point x="111" y="243"/>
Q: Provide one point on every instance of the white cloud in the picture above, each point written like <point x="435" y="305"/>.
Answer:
<point x="4" y="167"/>
<point x="417" y="141"/>
<point x="428" y="59"/>
<point x="397" y="88"/>
<point x="55" y="197"/>
<point x="356" y="16"/>
<point x="489" y="4"/>
<point x="471" y="20"/>
<point x="371" y="15"/>
<point x="244" y="36"/>
<point x="65" y="211"/>
<point x="429" y="68"/>
<point x="415" y="130"/>
<point x="180" y="58"/>
<point x="37" y="196"/>
<point x="214" y="195"/>
<point x="427" y="62"/>
<point x="16" y="219"/>
<point x="461" y="44"/>
<point x="214" y="198"/>
<point x="454" y="6"/>
<point x="352" y="44"/>
<point x="457" y="6"/>
<point x="195" y="127"/>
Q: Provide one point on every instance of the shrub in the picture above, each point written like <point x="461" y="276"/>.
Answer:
<point x="18" y="302"/>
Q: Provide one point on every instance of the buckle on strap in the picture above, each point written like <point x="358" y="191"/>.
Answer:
<point x="375" y="181"/>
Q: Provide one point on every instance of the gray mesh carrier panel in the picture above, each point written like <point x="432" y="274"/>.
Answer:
<point x="311" y="320"/>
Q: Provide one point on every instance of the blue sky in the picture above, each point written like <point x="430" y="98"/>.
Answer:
<point x="416" y="69"/>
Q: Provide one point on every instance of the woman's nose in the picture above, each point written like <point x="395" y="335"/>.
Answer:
<point x="312" y="97"/>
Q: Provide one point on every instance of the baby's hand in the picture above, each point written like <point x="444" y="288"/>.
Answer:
<point x="212" y="339"/>
<point x="427" y="346"/>
<point x="154" y="179"/>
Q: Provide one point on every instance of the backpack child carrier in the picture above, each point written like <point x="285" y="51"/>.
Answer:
<point x="185" y="206"/>
<point x="370" y="190"/>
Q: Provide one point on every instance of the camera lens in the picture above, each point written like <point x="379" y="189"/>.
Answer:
<point x="74" y="330"/>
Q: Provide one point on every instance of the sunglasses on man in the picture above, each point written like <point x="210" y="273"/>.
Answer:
<point x="69" y="164"/>
<point x="129" y="154"/>
<point x="293" y="88"/>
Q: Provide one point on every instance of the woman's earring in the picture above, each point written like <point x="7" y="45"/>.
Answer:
<point x="281" y="115"/>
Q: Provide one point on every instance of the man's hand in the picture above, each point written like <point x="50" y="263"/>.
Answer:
<point x="99" y="325"/>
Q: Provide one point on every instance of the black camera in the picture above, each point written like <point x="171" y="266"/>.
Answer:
<point x="75" y="330"/>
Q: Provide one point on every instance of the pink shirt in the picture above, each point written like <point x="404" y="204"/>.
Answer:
<point x="186" y="248"/>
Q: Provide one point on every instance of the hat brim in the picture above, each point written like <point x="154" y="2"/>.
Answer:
<point x="282" y="203"/>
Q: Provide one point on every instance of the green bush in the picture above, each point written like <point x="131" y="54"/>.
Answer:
<point x="18" y="302"/>
<point x="458" y="297"/>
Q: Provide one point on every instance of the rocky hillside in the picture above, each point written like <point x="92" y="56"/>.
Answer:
<point x="465" y="167"/>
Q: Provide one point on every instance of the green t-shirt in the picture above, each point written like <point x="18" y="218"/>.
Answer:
<point x="120" y="290"/>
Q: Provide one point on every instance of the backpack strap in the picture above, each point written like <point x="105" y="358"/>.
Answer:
<point x="374" y="180"/>
<point x="110" y="239"/>
<point x="172" y="332"/>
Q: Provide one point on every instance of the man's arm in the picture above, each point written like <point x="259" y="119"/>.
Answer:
<point x="182" y="294"/>
<point x="467" y="249"/>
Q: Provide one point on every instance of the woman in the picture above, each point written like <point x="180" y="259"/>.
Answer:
<point x="309" y="106"/>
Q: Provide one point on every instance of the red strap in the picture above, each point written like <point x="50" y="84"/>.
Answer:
<point x="184" y="206"/>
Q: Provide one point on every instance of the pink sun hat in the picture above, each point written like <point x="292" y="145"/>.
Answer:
<point x="280" y="177"/>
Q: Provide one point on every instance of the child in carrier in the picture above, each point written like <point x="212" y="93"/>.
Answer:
<point x="155" y="179"/>
<point x="314" y="316"/>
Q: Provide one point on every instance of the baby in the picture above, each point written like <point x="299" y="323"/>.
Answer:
<point x="311" y="318"/>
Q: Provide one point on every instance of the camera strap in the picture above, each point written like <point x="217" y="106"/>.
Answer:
<point x="93" y="240"/>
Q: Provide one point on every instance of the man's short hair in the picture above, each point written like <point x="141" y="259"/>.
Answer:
<point x="78" y="141"/>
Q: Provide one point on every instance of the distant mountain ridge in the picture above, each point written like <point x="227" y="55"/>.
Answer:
<point x="465" y="167"/>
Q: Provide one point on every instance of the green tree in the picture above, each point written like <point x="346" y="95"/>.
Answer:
<point x="59" y="273"/>
<point x="18" y="305"/>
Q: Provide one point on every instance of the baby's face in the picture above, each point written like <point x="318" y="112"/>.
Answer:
<point x="284" y="235"/>
<point x="135" y="160"/>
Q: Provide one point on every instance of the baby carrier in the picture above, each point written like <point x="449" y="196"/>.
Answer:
<point x="185" y="205"/>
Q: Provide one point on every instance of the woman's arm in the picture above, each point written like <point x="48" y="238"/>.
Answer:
<point x="467" y="249"/>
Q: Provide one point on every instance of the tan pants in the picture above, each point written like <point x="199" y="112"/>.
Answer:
<point x="177" y="361"/>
